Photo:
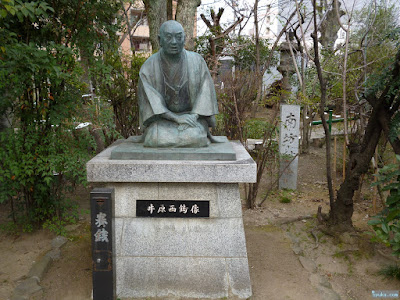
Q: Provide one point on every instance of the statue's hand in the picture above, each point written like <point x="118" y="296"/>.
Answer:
<point x="184" y="120"/>
<point x="187" y="119"/>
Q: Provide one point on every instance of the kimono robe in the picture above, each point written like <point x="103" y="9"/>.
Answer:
<point x="197" y="92"/>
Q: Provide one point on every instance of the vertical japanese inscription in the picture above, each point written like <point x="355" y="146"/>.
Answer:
<point x="101" y="224"/>
<point x="290" y="132"/>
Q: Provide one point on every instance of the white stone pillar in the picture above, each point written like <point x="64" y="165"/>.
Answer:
<point x="289" y="146"/>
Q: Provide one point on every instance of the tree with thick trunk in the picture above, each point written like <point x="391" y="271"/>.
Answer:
<point x="385" y="103"/>
<point x="159" y="11"/>
<point x="156" y="11"/>
<point x="322" y="104"/>
<point x="186" y="15"/>
<point x="384" y="97"/>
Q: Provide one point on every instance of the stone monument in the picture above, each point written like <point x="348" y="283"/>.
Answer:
<point x="289" y="146"/>
<point x="177" y="105"/>
<point x="177" y="100"/>
<point x="177" y="229"/>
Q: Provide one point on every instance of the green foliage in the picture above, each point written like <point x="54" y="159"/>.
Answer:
<point x="285" y="200"/>
<point x="46" y="50"/>
<point x="387" y="224"/>
<point x="119" y="86"/>
<point x="9" y="227"/>
<point x="383" y="79"/>
<point x="394" y="126"/>
<point x="36" y="169"/>
<point x="256" y="128"/>
<point x="68" y="215"/>
<point x="285" y="196"/>
<point x="391" y="271"/>
<point x="244" y="52"/>
<point x="372" y="45"/>
<point x="22" y="9"/>
<point x="376" y="24"/>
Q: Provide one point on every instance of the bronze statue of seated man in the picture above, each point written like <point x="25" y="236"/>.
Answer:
<point x="177" y="100"/>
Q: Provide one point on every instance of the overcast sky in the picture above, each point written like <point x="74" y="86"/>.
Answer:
<point x="247" y="5"/>
<point x="228" y="16"/>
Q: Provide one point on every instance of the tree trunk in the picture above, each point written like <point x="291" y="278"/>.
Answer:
<point x="322" y="81"/>
<point x="156" y="11"/>
<point x="383" y="109"/>
<point x="159" y="11"/>
<point x="170" y="10"/>
<point x="344" y="81"/>
<point x="186" y="15"/>
<point x="359" y="159"/>
<point x="257" y="36"/>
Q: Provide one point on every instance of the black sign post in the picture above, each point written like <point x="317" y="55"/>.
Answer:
<point x="101" y="223"/>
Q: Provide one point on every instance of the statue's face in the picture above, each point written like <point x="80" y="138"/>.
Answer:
<point x="172" y="38"/>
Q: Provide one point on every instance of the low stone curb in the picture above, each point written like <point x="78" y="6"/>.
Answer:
<point x="30" y="285"/>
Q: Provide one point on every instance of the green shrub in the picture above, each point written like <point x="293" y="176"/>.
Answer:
<point x="44" y="70"/>
<point x="391" y="271"/>
<point x="119" y="86"/>
<point x="387" y="223"/>
<point x="285" y="196"/>
<point x="255" y="128"/>
<point x="37" y="169"/>
<point x="285" y="199"/>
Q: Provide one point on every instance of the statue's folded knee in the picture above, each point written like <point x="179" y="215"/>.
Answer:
<point x="164" y="133"/>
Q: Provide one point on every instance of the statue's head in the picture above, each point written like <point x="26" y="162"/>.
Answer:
<point x="171" y="37"/>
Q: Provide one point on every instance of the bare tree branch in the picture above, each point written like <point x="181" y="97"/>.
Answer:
<point x="301" y="30"/>
<point x="294" y="61"/>
<point x="322" y="81"/>
<point x="268" y="63"/>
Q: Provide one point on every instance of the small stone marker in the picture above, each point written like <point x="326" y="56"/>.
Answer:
<point x="289" y="146"/>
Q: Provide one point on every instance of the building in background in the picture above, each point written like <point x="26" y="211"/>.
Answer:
<point x="138" y="39"/>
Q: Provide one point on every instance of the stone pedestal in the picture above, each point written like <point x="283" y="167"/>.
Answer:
<point x="173" y="258"/>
